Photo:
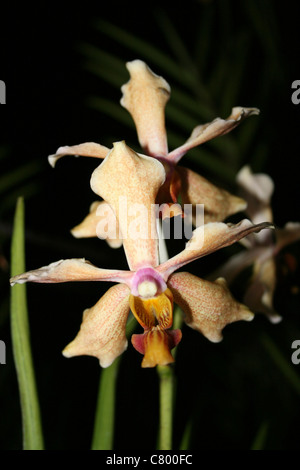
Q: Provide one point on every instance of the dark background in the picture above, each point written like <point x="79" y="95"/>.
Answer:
<point x="233" y="389"/>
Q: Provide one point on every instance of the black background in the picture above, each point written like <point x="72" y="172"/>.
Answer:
<point x="234" y="387"/>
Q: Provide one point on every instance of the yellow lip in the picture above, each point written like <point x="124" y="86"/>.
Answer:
<point x="154" y="311"/>
<point x="156" y="345"/>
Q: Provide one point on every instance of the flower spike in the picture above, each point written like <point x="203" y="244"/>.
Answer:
<point x="131" y="186"/>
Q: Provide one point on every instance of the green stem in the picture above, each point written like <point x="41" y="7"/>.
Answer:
<point x="32" y="429"/>
<point x="166" y="373"/>
<point x="105" y="413"/>
<point x="166" y="387"/>
<point x="104" y="426"/>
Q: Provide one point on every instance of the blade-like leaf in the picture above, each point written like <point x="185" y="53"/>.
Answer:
<point x="104" y="425"/>
<point x="10" y="179"/>
<point x="261" y="436"/>
<point x="32" y="429"/>
<point x="103" y="436"/>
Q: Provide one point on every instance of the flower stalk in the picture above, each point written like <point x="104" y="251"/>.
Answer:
<point x="166" y="391"/>
<point x="166" y="374"/>
<point x="103" y="435"/>
<point x="104" y="425"/>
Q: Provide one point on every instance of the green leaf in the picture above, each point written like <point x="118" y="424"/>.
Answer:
<point x="261" y="436"/>
<point x="111" y="69"/>
<point x="111" y="109"/>
<point x="166" y="402"/>
<point x="103" y="435"/>
<point x="186" y="438"/>
<point x="10" y="179"/>
<point x="32" y="429"/>
<point x="147" y="51"/>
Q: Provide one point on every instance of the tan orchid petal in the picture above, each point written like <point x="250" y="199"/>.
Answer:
<point x="145" y="97"/>
<point x="208" y="306"/>
<point x="260" y="293"/>
<point x="129" y="183"/>
<point x="88" y="149"/>
<point x="101" y="222"/>
<point x="218" y="203"/>
<point x="207" y="239"/>
<point x="102" y="332"/>
<point x="258" y="185"/>
<point x="257" y="190"/>
<point x="237" y="263"/>
<point x="70" y="270"/>
<point x="209" y="131"/>
<point x="287" y="235"/>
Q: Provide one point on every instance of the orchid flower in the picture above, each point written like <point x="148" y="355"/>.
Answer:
<point x="148" y="288"/>
<point x="145" y="97"/>
<point x="262" y="248"/>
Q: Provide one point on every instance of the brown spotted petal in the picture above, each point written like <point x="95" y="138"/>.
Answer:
<point x="88" y="149"/>
<point x="208" y="306"/>
<point x="102" y="332"/>
<point x="70" y="270"/>
<point x="145" y="97"/>
<point x="209" y="131"/>
<point x="129" y="183"/>
<point x="101" y="222"/>
<point x="218" y="203"/>
<point x="207" y="239"/>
